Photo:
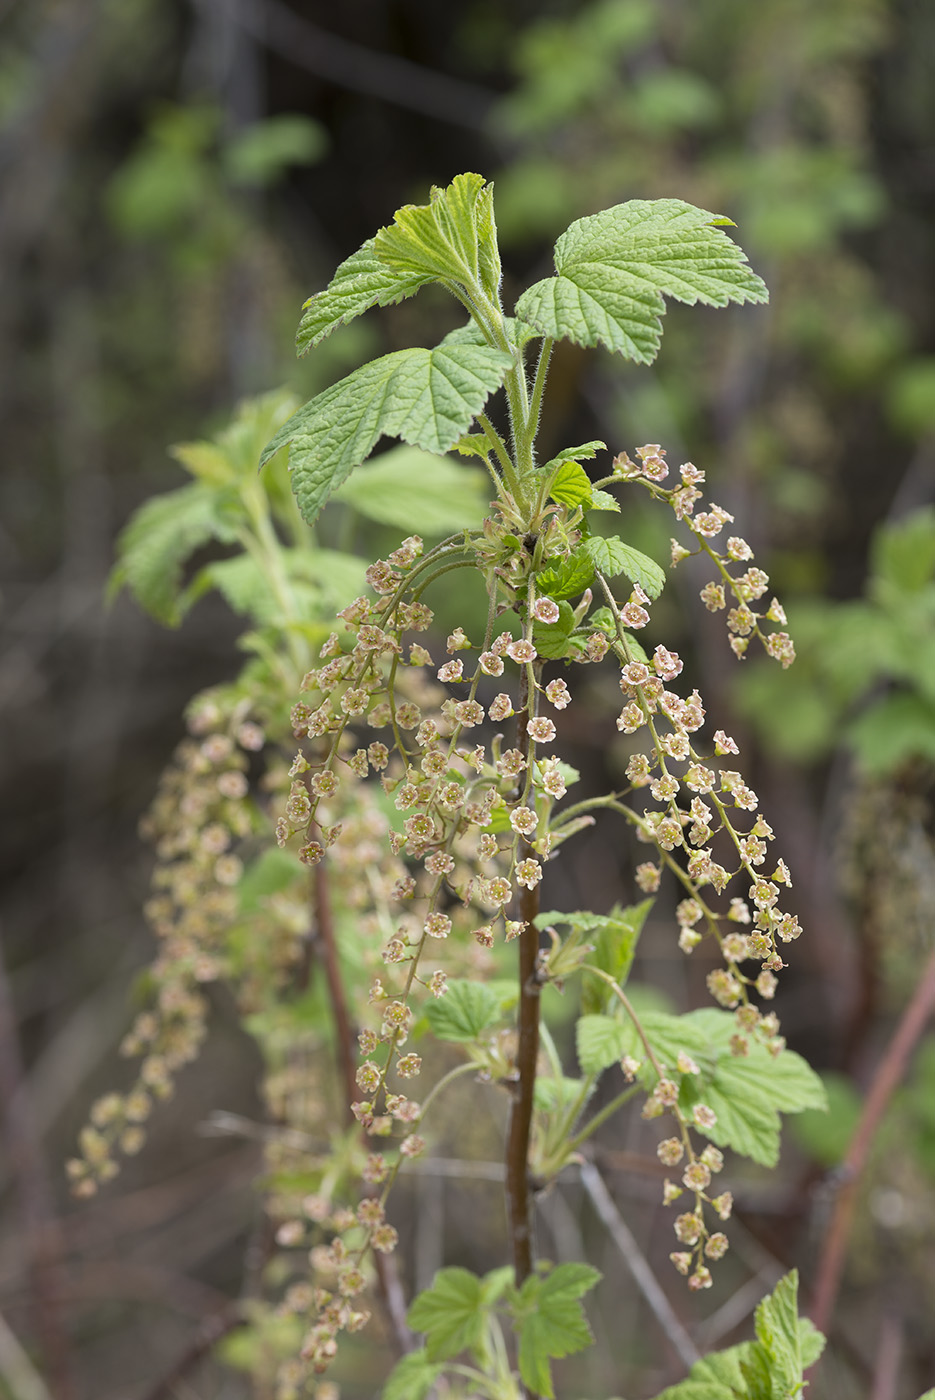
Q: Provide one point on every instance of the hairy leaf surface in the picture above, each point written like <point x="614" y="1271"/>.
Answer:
<point x="612" y="556"/>
<point x="453" y="238"/>
<point x="361" y="281"/>
<point x="613" y="270"/>
<point x="426" y="397"/>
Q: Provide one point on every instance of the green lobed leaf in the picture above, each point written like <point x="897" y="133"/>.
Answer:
<point x="780" y="1334"/>
<point x="566" y="578"/>
<point x="603" y="500"/>
<point x="583" y="453"/>
<point x="571" y="486"/>
<point x="746" y="1092"/>
<point x="600" y="1041"/>
<point x="613" y="269"/>
<point x="451" y="1314"/>
<point x="453" y="238"/>
<point x="418" y="491"/>
<point x="716" y="1377"/>
<point x="612" y="556"/>
<point x="160" y="537"/>
<point x="361" y="281"/>
<point x="426" y="397"/>
<point x="550" y="1321"/>
<point x="466" y="1009"/>
<point x="412" y="1378"/>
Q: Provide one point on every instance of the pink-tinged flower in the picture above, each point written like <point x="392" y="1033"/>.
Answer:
<point x="501" y="706"/>
<point x="704" y="1117"/>
<point x="634" y="675"/>
<point x="723" y="1204"/>
<point x="688" y="1228"/>
<point x="468" y="713"/>
<point x="670" y="1192"/>
<point x="738" y="549"/>
<point x="529" y="873"/>
<point x="682" y="1261"/>
<point x="634" y="615"/>
<point x="558" y="694"/>
<point x="667" y="664"/>
<point x="412" y="1146"/>
<point x="540" y="729"/>
<point x="631" y="718"/>
<point x="670" y="1152"/>
<point x="523" y="820"/>
<point x="779" y="645"/>
<point x="712" y="595"/>
<point x="696" y="1176"/>
<point x="521" y="650"/>
<point x="678" y="552"/>
<point x="723" y="743"/>
<point x="438" y="926"/>
<point x="451" y="671"/>
<point x="776" y="613"/>
<point x="701" y="1278"/>
<point x="717" y="1246"/>
<point x="647" y="877"/>
<point x="596" y="647"/>
<point x="491" y="664"/>
<point x="457" y="641"/>
<point x="546" y="610"/>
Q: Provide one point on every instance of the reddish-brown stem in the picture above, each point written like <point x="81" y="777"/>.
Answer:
<point x="518" y="1196"/>
<point x="889" y="1073"/>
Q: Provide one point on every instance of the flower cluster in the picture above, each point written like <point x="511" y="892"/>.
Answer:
<point x="744" y="621"/>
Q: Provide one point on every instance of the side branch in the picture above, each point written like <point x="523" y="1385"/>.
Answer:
<point x="890" y="1072"/>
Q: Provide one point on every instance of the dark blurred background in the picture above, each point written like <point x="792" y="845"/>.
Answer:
<point x="177" y="176"/>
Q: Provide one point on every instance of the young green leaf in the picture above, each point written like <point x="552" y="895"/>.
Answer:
<point x="426" y="397"/>
<point x="603" y="500"/>
<point x="453" y="238"/>
<point x="451" y="1314"/>
<point x="418" y="491"/>
<point x="584" y="453"/>
<point x="791" y="1344"/>
<point x="158" y="540"/>
<point x="361" y="281"/>
<point x="566" y="578"/>
<point x="600" y="1041"/>
<point x="747" y="1092"/>
<point x="412" y="1378"/>
<point x="550" y="1321"/>
<point x="615" y="940"/>
<point x="613" y="268"/>
<point x="466" y="1009"/>
<point x="571" y="486"/>
<point x="611" y="556"/>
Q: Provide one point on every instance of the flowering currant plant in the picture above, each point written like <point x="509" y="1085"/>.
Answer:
<point x="426" y="801"/>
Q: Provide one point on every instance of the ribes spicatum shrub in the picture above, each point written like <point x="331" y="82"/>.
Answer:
<point x="384" y="801"/>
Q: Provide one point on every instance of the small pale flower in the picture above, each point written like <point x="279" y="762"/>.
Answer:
<point x="546" y="610"/>
<point x="634" y="615"/>
<point x="670" y="1192"/>
<point x="558" y="694"/>
<point x="712" y="595"/>
<point x="723" y="1204"/>
<point x="701" y="1278"/>
<point x="631" y="718"/>
<point x="634" y="675"/>
<point x="438" y="926"/>
<point x="685" y="1064"/>
<point x="630" y="1067"/>
<point x="647" y="877"/>
<point x="738" y="549"/>
<point x="457" y="641"/>
<point x="412" y="1146"/>
<point x="451" y="671"/>
<point x="688" y="1228"/>
<point x="705" y="1118"/>
<point x="679" y="552"/>
<point x="540" y="729"/>
<point x="529" y="873"/>
<point x="682" y="1261"/>
<point x="667" y="664"/>
<point x="521" y="650"/>
<point x="438" y="984"/>
<point x="491" y="664"/>
<point x="696" y="1176"/>
<point x="713" y="1158"/>
<point x="717" y="1245"/>
<point x="779" y="645"/>
<point x="670" y="1152"/>
<point x="523" y="820"/>
<point x="501" y="707"/>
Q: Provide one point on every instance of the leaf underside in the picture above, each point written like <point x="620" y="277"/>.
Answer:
<point x="613" y="270"/>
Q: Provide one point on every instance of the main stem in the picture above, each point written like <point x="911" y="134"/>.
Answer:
<point x="518" y="1196"/>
